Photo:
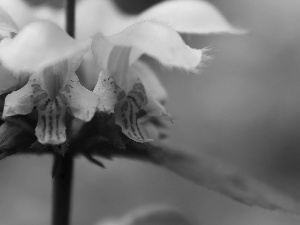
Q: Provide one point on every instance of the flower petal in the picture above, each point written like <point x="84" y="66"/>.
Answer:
<point x="56" y="90"/>
<point x="53" y="98"/>
<point x="191" y="16"/>
<point x="103" y="15"/>
<point x="53" y="78"/>
<point x="6" y="22"/>
<point x="10" y="80"/>
<point x="157" y="127"/>
<point x="118" y="65"/>
<point x="188" y="16"/>
<point x="127" y="111"/>
<point x="154" y="116"/>
<point x="115" y="59"/>
<point x="153" y="38"/>
<point x="38" y="45"/>
<point x="108" y="92"/>
<point x="19" y="102"/>
<point x="51" y="128"/>
<point x="156" y="93"/>
<point x="80" y="100"/>
<point x="24" y="13"/>
<point x="7" y="81"/>
<point x="148" y="75"/>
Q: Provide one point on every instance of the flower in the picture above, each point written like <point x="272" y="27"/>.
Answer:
<point x="45" y="58"/>
<point x="52" y="91"/>
<point x="117" y="55"/>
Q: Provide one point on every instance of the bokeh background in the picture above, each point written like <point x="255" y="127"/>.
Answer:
<point x="244" y="108"/>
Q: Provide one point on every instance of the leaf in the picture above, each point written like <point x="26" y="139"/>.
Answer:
<point x="150" y="215"/>
<point x="221" y="178"/>
<point x="15" y="135"/>
<point x="209" y="173"/>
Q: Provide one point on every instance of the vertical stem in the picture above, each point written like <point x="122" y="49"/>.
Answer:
<point x="64" y="165"/>
<point x="62" y="189"/>
<point x="70" y="17"/>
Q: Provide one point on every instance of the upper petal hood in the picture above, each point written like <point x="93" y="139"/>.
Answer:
<point x="99" y="15"/>
<point x="150" y="37"/>
<point x="191" y="16"/>
<point x="24" y="13"/>
<point x="187" y="16"/>
<point x="38" y="45"/>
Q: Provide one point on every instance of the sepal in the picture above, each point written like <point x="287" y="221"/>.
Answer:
<point x="16" y="134"/>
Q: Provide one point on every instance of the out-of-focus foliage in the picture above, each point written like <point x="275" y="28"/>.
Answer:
<point x="150" y="215"/>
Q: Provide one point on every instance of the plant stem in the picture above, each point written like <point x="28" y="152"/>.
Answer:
<point x="64" y="165"/>
<point x="70" y="17"/>
<point x="62" y="189"/>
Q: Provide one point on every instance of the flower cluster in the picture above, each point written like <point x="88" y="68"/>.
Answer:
<point x="39" y="63"/>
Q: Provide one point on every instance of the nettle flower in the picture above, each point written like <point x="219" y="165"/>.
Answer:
<point x="44" y="60"/>
<point x="118" y="51"/>
<point x="117" y="56"/>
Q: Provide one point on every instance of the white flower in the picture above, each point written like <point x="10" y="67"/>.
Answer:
<point x="122" y="41"/>
<point x="117" y="56"/>
<point x="44" y="59"/>
<point x="123" y="83"/>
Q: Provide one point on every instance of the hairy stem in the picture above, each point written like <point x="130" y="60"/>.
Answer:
<point x="63" y="165"/>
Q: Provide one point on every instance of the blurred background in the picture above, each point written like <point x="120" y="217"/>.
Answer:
<point x="244" y="108"/>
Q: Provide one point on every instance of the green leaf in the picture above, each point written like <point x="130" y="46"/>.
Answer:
<point x="150" y="215"/>
<point x="224" y="179"/>
<point x="211" y="174"/>
<point x="15" y="135"/>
